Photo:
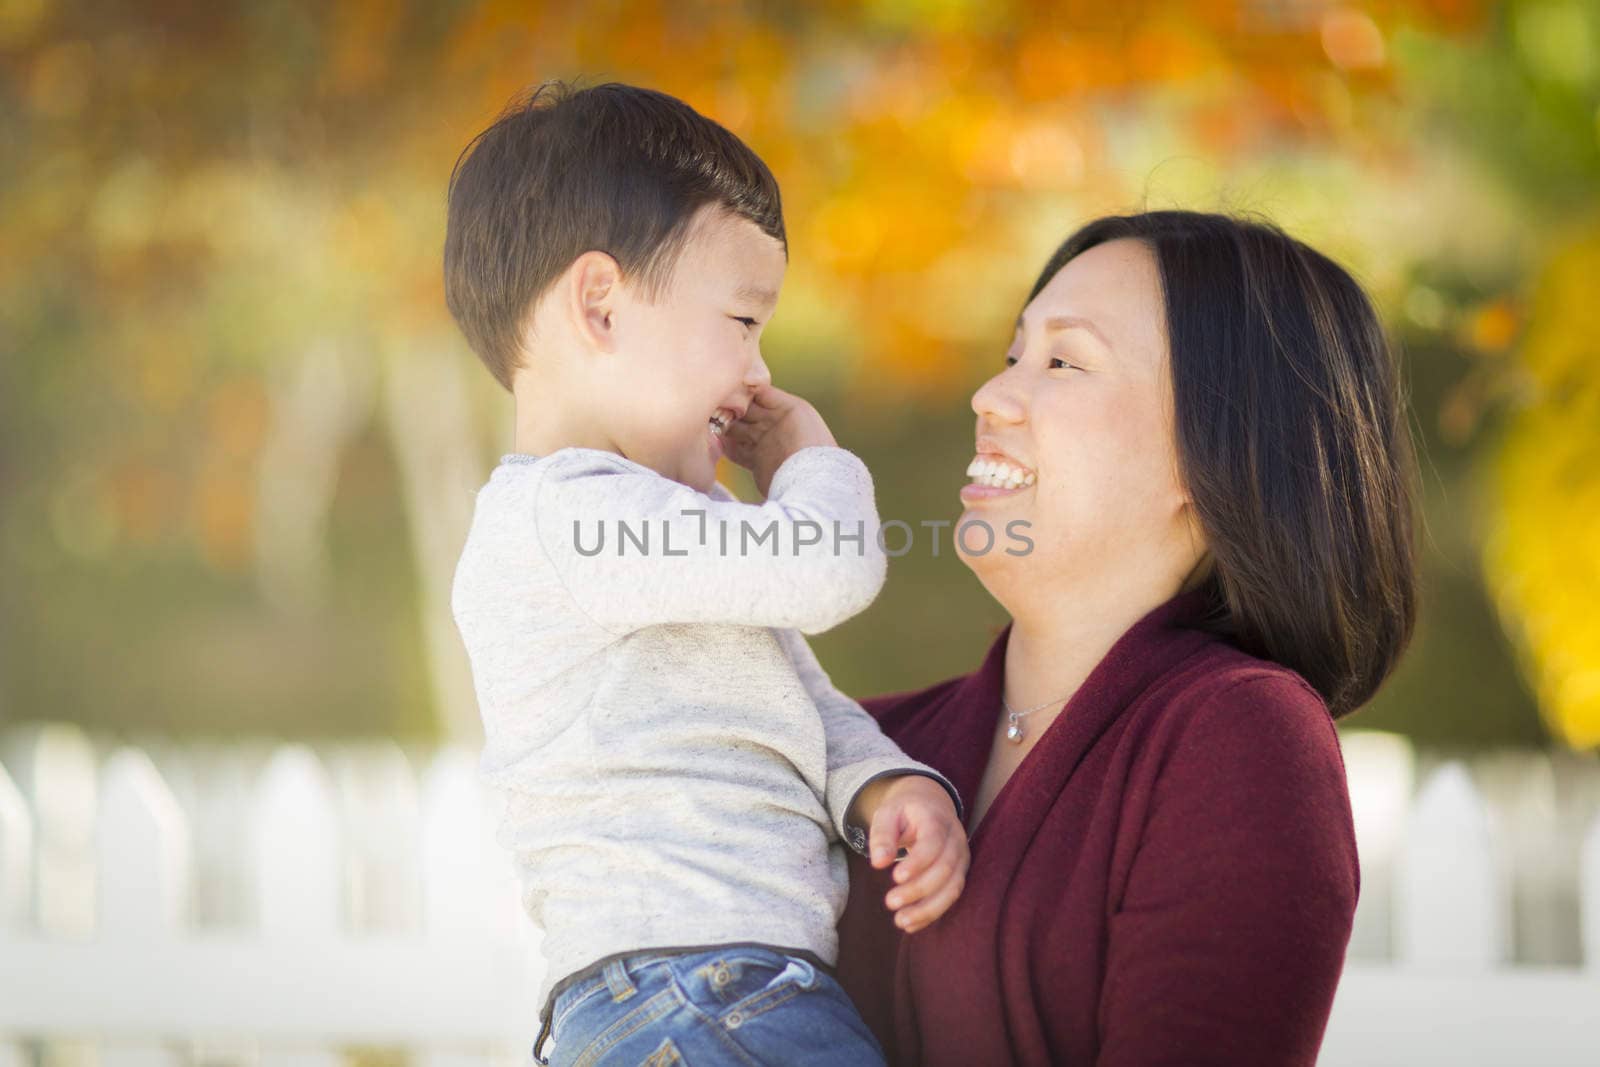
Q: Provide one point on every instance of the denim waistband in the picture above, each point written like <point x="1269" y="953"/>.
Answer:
<point x="596" y="973"/>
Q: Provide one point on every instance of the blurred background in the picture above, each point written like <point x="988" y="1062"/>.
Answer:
<point x="239" y="433"/>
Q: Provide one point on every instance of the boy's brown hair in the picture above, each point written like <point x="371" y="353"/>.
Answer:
<point x="563" y="171"/>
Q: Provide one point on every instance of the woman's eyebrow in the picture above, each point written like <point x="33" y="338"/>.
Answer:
<point x="1068" y="322"/>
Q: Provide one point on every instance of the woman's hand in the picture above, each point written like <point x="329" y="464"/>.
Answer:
<point x="775" y="426"/>
<point x="915" y="812"/>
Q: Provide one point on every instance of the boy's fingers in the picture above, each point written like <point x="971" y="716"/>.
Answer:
<point x="768" y="396"/>
<point x="883" y="836"/>
<point x="915" y="918"/>
<point x="925" y="848"/>
<point x="948" y="864"/>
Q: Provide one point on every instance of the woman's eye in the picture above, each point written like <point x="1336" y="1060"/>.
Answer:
<point x="1055" y="361"/>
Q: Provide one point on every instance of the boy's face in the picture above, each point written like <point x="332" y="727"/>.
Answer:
<point x="695" y="351"/>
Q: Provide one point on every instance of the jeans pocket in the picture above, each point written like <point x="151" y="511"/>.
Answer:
<point x="609" y="1026"/>
<point x="781" y="983"/>
<point x="665" y="1055"/>
<point x="732" y="975"/>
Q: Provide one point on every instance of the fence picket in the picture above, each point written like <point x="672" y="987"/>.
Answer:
<point x="1589" y="896"/>
<point x="16" y="860"/>
<point x="469" y="892"/>
<point x="297" y="841"/>
<point x="53" y="764"/>
<point x="1447" y="895"/>
<point x="1381" y="768"/>
<point x="299" y="888"/>
<point x="1534" y="871"/>
<point x="142" y="853"/>
<point x="377" y="793"/>
<point x="143" y="875"/>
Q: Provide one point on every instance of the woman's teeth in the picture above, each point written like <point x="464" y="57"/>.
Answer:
<point x="998" y="474"/>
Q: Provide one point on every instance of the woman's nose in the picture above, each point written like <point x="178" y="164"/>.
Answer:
<point x="999" y="400"/>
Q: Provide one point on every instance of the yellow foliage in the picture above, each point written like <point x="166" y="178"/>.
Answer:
<point x="1542" y="556"/>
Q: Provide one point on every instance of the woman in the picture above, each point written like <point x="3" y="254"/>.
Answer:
<point x="1200" y="424"/>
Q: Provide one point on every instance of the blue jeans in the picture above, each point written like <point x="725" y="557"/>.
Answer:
<point x="739" y="1004"/>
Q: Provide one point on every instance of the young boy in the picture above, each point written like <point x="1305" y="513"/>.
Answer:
<point x="677" y="769"/>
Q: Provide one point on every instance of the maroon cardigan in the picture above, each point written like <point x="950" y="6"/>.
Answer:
<point x="1169" y="877"/>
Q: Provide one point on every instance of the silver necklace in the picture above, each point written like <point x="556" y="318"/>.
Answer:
<point x="1014" y="717"/>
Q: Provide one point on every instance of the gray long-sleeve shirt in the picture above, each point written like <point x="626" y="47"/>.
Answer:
<point x="675" y="765"/>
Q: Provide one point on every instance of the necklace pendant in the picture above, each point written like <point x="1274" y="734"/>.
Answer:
<point x="1014" y="731"/>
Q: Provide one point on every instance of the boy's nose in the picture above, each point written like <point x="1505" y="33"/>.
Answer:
<point x="758" y="374"/>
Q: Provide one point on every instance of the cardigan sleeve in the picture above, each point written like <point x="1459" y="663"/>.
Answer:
<point x="1228" y="940"/>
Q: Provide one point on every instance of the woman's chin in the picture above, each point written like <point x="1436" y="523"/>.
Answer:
<point x="988" y="541"/>
<point x="995" y="509"/>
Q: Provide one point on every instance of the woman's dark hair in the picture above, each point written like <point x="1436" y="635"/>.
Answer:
<point x="563" y="171"/>
<point x="1293" y="442"/>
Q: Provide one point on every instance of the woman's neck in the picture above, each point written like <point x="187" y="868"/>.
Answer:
<point x="1048" y="656"/>
<point x="1059" y="634"/>
<point x="1054" y="646"/>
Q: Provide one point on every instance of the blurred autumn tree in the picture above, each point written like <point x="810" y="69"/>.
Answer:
<point x="1524" y="97"/>
<point x="240" y="434"/>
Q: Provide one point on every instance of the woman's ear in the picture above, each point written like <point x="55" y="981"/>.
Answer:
<point x="593" y="284"/>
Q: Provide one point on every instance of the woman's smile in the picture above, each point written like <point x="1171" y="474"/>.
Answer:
<point x="993" y="475"/>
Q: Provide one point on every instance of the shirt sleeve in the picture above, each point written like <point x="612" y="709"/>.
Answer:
<point x="1230" y="935"/>
<point x="634" y="548"/>
<point x="858" y="751"/>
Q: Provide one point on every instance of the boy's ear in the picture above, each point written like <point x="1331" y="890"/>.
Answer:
<point x="593" y="284"/>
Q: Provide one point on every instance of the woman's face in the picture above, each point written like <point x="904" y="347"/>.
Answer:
<point x="1079" y="422"/>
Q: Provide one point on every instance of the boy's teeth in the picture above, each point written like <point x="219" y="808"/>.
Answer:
<point x="998" y="473"/>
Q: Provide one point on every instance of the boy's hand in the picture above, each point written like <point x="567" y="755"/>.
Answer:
<point x="774" y="427"/>
<point x="913" y="811"/>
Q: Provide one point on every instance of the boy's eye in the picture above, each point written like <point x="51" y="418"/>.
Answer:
<point x="749" y="323"/>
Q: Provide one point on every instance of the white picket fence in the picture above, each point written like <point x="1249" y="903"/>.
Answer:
<point x="224" y="905"/>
